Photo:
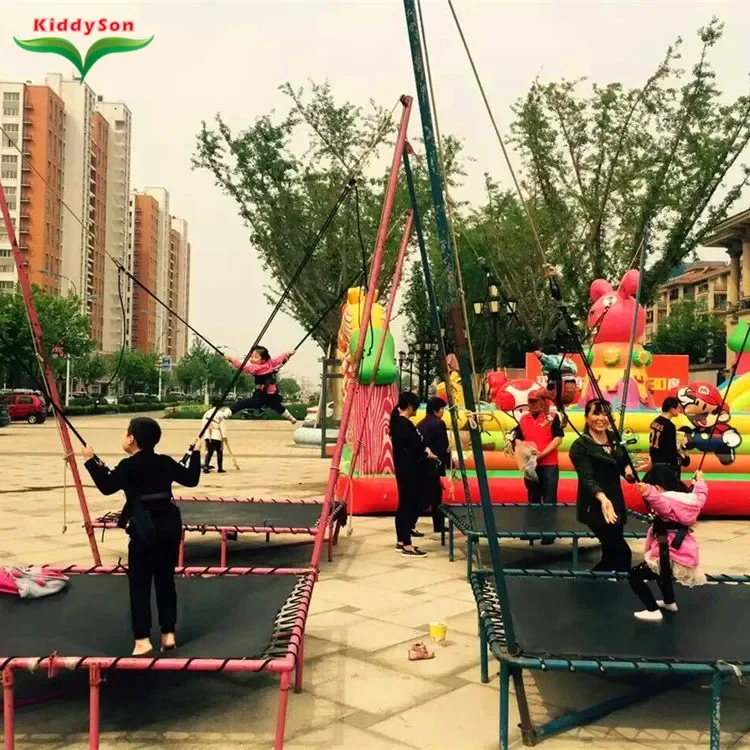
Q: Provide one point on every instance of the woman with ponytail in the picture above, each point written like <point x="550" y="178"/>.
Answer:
<point x="411" y="462"/>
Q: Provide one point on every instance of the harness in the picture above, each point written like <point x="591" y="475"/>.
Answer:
<point x="262" y="382"/>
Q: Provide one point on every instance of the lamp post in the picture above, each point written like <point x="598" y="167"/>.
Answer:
<point x="401" y="358"/>
<point x="492" y="304"/>
<point x="45" y="272"/>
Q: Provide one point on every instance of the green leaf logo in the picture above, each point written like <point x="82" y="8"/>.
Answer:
<point x="107" y="46"/>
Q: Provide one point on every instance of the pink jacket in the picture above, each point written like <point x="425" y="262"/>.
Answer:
<point x="265" y="368"/>
<point x="684" y="508"/>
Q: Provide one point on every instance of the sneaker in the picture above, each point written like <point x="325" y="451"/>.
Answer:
<point x="416" y="552"/>
<point x="548" y="540"/>
<point x="669" y="607"/>
<point x="399" y="546"/>
<point x="648" y="616"/>
<point x="221" y="471"/>
<point x="416" y="533"/>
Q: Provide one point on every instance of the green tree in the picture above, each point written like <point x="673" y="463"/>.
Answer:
<point x="64" y="328"/>
<point x="192" y="371"/>
<point x="690" y="329"/>
<point x="285" y="174"/>
<point x="289" y="389"/>
<point x="137" y="370"/>
<point x="90" y="369"/>
<point x="601" y="167"/>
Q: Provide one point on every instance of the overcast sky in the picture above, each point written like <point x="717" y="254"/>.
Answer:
<point x="230" y="57"/>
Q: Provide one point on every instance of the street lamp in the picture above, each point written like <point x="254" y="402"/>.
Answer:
<point x="46" y="272"/>
<point x="494" y="301"/>
<point x="401" y="359"/>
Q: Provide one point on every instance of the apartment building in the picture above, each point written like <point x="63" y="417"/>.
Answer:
<point x="145" y="317"/>
<point x="31" y="171"/>
<point x="703" y="281"/>
<point x="179" y="284"/>
<point x="161" y="289"/>
<point x="118" y="232"/>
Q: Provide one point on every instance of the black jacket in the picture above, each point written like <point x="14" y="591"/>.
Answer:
<point x="435" y="436"/>
<point x="146" y="478"/>
<point x="409" y="459"/>
<point x="598" y="471"/>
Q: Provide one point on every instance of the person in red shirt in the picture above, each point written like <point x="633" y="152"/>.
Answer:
<point x="546" y="432"/>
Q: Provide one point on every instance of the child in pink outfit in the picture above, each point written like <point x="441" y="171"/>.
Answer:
<point x="671" y="550"/>
<point x="263" y="367"/>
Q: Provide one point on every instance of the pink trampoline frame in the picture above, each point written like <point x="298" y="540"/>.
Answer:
<point x="333" y="525"/>
<point x="292" y="661"/>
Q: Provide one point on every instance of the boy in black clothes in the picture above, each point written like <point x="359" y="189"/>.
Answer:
<point x="663" y="448"/>
<point x="153" y="522"/>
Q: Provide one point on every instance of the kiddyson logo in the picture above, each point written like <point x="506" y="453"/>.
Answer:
<point x="58" y="46"/>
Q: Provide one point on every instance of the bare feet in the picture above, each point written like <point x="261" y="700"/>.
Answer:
<point x="142" y="647"/>
<point x="167" y="641"/>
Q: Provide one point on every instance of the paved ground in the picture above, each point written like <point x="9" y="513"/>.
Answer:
<point x="360" y="689"/>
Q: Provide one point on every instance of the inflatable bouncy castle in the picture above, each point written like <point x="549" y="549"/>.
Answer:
<point x="707" y="426"/>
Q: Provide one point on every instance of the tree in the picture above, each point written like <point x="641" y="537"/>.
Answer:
<point x="64" y="328"/>
<point x="89" y="369"/>
<point x="601" y="168"/>
<point x="690" y="329"/>
<point x="283" y="196"/>
<point x="137" y="369"/>
<point x="289" y="389"/>
<point x="192" y="372"/>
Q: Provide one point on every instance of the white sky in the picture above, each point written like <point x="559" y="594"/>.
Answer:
<point x="230" y="57"/>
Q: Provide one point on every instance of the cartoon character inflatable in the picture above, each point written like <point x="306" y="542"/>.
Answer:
<point x="611" y="320"/>
<point x="454" y="376"/>
<point x="510" y="396"/>
<point x="709" y="418"/>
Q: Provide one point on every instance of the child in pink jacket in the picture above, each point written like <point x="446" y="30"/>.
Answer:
<point x="676" y="508"/>
<point x="263" y="367"/>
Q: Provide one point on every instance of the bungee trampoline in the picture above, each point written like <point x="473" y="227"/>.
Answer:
<point x="552" y="627"/>
<point x="230" y="516"/>
<point x="527" y="521"/>
<point x="86" y="626"/>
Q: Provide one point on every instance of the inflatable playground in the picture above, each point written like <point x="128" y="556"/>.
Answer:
<point x="714" y="428"/>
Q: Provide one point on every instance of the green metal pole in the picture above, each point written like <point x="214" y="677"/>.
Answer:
<point x="438" y="200"/>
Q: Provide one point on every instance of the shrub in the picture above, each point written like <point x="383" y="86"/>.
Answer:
<point x="193" y="411"/>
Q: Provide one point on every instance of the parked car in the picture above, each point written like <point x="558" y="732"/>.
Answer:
<point x="4" y="416"/>
<point x="26" y="406"/>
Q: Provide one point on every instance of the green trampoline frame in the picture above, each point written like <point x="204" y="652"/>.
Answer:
<point x="667" y="674"/>
<point x="473" y="536"/>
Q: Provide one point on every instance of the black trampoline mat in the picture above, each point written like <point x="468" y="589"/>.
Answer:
<point x="531" y="518"/>
<point x="589" y="618"/>
<point x="223" y="617"/>
<point x="217" y="513"/>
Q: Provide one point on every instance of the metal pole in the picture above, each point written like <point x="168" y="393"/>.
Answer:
<point x="67" y="381"/>
<point x="438" y="200"/>
<point x="353" y="383"/>
<point x="47" y="374"/>
<point x="322" y="417"/>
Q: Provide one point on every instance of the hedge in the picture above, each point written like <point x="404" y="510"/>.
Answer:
<point x="79" y="411"/>
<point x="191" y="411"/>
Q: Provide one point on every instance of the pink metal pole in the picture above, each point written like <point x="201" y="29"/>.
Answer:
<point x="95" y="681"/>
<point x="378" y="356"/>
<point x="36" y="332"/>
<point x="298" y="668"/>
<point x="9" y="710"/>
<point x="278" y="743"/>
<point x="353" y="382"/>
<point x="223" y="557"/>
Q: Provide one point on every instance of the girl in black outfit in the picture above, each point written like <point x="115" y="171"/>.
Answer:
<point x="599" y="463"/>
<point x="153" y="522"/>
<point x="410" y="460"/>
<point x="435" y="436"/>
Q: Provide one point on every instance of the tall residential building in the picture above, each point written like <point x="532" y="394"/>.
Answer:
<point x="145" y="251"/>
<point x="179" y="281"/>
<point x="118" y="235"/>
<point x="33" y="123"/>
<point x="161" y="196"/>
<point x="80" y="189"/>
<point x="96" y="258"/>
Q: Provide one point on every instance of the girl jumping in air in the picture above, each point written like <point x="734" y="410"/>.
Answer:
<point x="671" y="550"/>
<point x="263" y="367"/>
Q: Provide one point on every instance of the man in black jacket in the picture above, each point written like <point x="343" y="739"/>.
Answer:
<point x="435" y="437"/>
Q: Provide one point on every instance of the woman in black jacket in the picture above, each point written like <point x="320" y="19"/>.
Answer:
<point x="600" y="462"/>
<point x="435" y="436"/>
<point x="410" y="460"/>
